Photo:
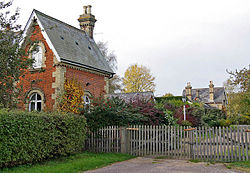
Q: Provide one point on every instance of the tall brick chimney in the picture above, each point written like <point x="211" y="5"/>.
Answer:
<point x="87" y="21"/>
<point x="197" y="93"/>
<point x="211" y="91"/>
<point x="188" y="89"/>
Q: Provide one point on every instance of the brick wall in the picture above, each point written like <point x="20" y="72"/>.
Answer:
<point x="40" y="80"/>
<point x="97" y="83"/>
<point x="43" y="80"/>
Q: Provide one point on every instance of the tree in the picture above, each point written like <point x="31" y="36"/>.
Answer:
<point x="168" y="95"/>
<point x="238" y="94"/>
<point x="240" y="78"/>
<point x="111" y="58"/>
<point x="138" y="79"/>
<point x="12" y="56"/>
<point x="115" y="84"/>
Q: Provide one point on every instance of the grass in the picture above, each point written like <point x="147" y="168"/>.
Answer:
<point x="162" y="157"/>
<point x="195" y="160"/>
<point x="242" y="165"/>
<point x="75" y="163"/>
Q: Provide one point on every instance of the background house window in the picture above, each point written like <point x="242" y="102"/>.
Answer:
<point x="35" y="103"/>
<point x="37" y="57"/>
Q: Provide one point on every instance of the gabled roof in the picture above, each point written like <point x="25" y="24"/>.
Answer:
<point x="219" y="94"/>
<point x="128" y="97"/>
<point x="70" y="44"/>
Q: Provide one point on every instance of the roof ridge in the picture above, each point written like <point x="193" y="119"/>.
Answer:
<point x="134" y="92"/>
<point x="205" y="88"/>
<point x="85" y="55"/>
<point x="37" y="11"/>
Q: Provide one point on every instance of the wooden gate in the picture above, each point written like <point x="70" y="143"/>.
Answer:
<point x="202" y="143"/>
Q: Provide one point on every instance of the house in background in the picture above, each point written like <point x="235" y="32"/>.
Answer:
<point x="63" y="52"/>
<point x="212" y="97"/>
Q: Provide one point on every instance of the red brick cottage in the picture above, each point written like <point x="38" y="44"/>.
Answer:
<point x="63" y="52"/>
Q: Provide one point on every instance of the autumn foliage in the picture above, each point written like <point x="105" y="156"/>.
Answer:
<point x="72" y="99"/>
<point x="138" y="79"/>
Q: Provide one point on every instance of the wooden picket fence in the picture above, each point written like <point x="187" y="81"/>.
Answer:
<point x="202" y="143"/>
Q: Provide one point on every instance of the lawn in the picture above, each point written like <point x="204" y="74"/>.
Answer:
<point x="243" y="166"/>
<point x="240" y="165"/>
<point x="75" y="163"/>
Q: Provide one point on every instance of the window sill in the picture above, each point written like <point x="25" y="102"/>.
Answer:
<point x="34" y="70"/>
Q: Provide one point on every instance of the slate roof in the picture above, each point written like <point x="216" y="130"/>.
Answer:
<point x="73" y="45"/>
<point x="219" y="94"/>
<point x="128" y="97"/>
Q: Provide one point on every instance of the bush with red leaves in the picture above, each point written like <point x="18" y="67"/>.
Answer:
<point x="148" y="109"/>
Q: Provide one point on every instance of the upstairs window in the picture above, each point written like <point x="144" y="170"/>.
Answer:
<point x="37" y="56"/>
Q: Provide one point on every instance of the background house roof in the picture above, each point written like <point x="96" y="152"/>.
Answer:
<point x="219" y="94"/>
<point x="73" y="45"/>
<point x="127" y="97"/>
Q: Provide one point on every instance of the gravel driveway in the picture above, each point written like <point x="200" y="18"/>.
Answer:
<point x="151" y="165"/>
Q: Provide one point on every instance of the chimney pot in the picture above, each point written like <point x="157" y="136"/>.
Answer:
<point x="8" y="27"/>
<point x="87" y="21"/>
<point x="211" y="91"/>
<point x="85" y="9"/>
<point x="197" y="93"/>
<point x="89" y="9"/>
<point x="189" y="91"/>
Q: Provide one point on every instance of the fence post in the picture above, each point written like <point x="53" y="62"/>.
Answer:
<point x="125" y="143"/>
<point x="123" y="140"/>
<point x="191" y="142"/>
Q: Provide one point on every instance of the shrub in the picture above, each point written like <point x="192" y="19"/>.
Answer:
<point x="112" y="112"/>
<point x="224" y="122"/>
<point x="32" y="137"/>
<point x="244" y="119"/>
<point x="116" y="112"/>
<point x="212" y="117"/>
<point x="72" y="98"/>
<point x="168" y="111"/>
<point x="186" y="123"/>
<point x="153" y="115"/>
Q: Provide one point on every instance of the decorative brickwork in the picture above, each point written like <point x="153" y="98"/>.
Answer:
<point x="49" y="80"/>
<point x="40" y="79"/>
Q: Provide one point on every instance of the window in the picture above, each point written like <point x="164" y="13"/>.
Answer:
<point x="37" y="57"/>
<point x="35" y="102"/>
<point x="86" y="102"/>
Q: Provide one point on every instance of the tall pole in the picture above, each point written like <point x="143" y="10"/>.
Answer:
<point x="184" y="111"/>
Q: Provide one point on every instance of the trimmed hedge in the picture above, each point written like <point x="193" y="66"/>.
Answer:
<point x="33" y="137"/>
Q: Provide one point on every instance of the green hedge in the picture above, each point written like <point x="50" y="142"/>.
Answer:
<point x="167" y="99"/>
<point x="32" y="137"/>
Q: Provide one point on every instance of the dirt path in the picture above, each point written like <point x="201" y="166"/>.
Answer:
<point x="151" y="165"/>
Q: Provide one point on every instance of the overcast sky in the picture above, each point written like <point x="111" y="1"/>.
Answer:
<point x="179" y="40"/>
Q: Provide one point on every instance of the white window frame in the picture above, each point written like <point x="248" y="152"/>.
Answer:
<point x="85" y="98"/>
<point x="86" y="103"/>
<point x="37" y="56"/>
<point x="35" y="101"/>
